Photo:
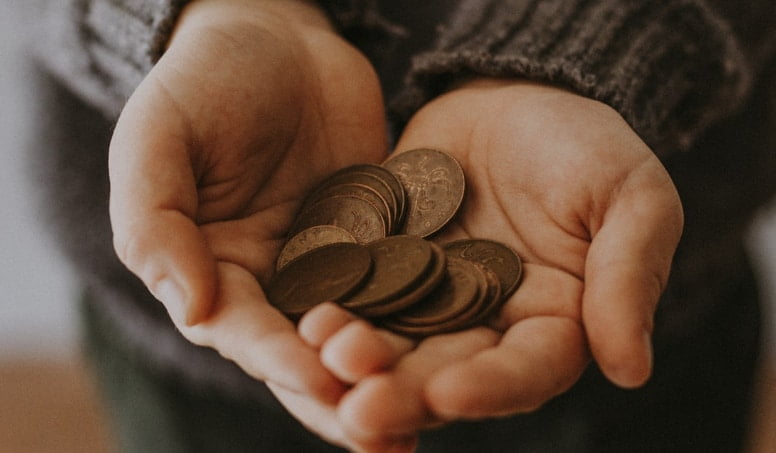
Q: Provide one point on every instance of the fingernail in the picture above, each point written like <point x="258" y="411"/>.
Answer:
<point x="171" y="295"/>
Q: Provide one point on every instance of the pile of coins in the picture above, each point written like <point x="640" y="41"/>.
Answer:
<point x="359" y="240"/>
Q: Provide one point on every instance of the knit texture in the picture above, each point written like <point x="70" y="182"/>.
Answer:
<point x="104" y="48"/>
<point x="664" y="65"/>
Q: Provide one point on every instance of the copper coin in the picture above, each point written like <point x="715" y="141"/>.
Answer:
<point x="494" y="298"/>
<point x="395" y="185"/>
<point x="399" y="263"/>
<point x="498" y="257"/>
<point x="430" y="280"/>
<point x="489" y="297"/>
<point x="463" y="287"/>
<point x="329" y="273"/>
<point x="434" y="184"/>
<point x="488" y="302"/>
<point x="311" y="238"/>
<point x="438" y="311"/>
<point x="361" y="174"/>
<point x="363" y="191"/>
<point x="353" y="214"/>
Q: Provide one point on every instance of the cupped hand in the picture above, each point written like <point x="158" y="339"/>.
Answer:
<point x="250" y="106"/>
<point x="564" y="181"/>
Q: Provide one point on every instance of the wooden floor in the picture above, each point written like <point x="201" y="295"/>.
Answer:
<point x="764" y="430"/>
<point x="52" y="407"/>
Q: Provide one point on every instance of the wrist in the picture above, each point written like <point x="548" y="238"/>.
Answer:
<point x="509" y="92"/>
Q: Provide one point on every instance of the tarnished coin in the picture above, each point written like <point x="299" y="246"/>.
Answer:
<point x="498" y="257"/>
<point x="399" y="263"/>
<point x="434" y="184"/>
<point x="311" y="238"/>
<point x="463" y="287"/>
<point x="492" y="302"/>
<point x="488" y="298"/>
<point x="329" y="273"/>
<point x="355" y="215"/>
<point x="430" y="280"/>
<point x="395" y="185"/>
<point x="365" y="175"/>
<point x="359" y="191"/>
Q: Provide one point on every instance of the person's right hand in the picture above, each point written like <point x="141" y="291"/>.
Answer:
<point x="251" y="105"/>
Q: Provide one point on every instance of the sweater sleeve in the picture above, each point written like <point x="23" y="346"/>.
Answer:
<point x="670" y="67"/>
<point x="102" y="49"/>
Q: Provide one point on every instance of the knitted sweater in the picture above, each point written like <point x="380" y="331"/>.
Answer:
<point x="694" y="78"/>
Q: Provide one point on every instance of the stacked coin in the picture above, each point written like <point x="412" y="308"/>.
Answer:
<point x="358" y="240"/>
<point x="366" y="200"/>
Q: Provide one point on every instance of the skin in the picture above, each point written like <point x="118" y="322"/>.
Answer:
<point x="207" y="171"/>
<point x="212" y="156"/>
<point x="564" y="181"/>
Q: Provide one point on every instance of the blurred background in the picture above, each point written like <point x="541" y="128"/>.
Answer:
<point x="47" y="401"/>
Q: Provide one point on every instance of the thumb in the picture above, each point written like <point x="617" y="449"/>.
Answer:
<point x="153" y="205"/>
<point x="626" y="271"/>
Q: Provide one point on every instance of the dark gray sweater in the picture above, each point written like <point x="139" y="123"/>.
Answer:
<point x="695" y="78"/>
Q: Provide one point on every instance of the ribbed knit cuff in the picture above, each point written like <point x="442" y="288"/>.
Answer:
<point x="669" y="67"/>
<point x="102" y="49"/>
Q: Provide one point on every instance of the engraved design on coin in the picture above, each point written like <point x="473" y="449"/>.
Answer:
<point x="353" y="214"/>
<point x="434" y="183"/>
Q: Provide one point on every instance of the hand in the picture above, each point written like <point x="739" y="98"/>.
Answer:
<point x="564" y="181"/>
<point x="251" y="105"/>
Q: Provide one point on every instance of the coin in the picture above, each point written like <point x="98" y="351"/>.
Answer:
<point x="488" y="299"/>
<point x="434" y="184"/>
<point x="343" y="247"/>
<point x="493" y="301"/>
<point x="462" y="288"/>
<point x="362" y="191"/>
<point x="399" y="263"/>
<point x="497" y="256"/>
<point x="393" y="183"/>
<point x="311" y="238"/>
<point x="365" y="174"/>
<point x="329" y="273"/>
<point x="428" y="283"/>
<point x="353" y="214"/>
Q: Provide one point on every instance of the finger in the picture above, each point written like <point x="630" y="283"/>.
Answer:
<point x="537" y="359"/>
<point x="392" y="404"/>
<point x="245" y="328"/>
<point x="322" y="322"/>
<point x="315" y="416"/>
<point x="626" y="271"/>
<point x="152" y="203"/>
<point x="359" y="349"/>
<point x="320" y="419"/>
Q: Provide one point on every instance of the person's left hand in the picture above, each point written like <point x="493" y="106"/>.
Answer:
<point x="564" y="181"/>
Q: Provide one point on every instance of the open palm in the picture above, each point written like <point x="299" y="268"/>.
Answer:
<point x="211" y="157"/>
<point x="564" y="181"/>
